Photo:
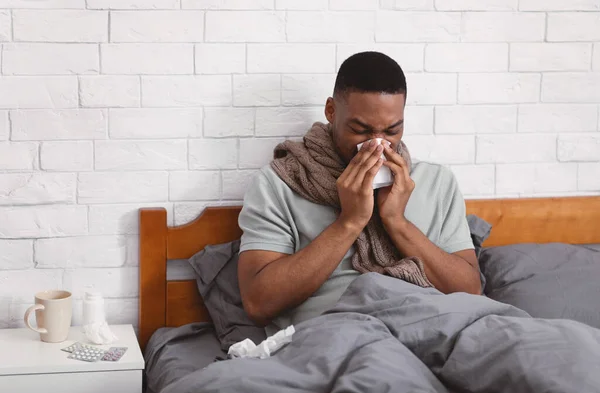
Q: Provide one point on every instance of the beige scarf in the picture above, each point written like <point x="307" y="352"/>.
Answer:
<point x="311" y="168"/>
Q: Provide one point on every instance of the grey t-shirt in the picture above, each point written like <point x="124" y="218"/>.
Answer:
<point x="275" y="218"/>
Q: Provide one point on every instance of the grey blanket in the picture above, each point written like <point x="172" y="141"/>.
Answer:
<point x="386" y="335"/>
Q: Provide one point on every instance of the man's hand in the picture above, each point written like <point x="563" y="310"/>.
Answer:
<point x="355" y="186"/>
<point x="392" y="200"/>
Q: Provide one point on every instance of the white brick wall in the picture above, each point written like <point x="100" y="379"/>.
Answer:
<point x="347" y="26"/>
<point x="573" y="26"/>
<point x="476" y="119"/>
<point x="42" y="221"/>
<point x="466" y="57"/>
<point x="430" y="88"/>
<point x="156" y="26"/>
<point x="550" y="57"/>
<point x="220" y="59"/>
<point x="301" y="5"/>
<point x="132" y="4"/>
<point x="579" y="147"/>
<point x="559" y="5"/>
<point x="107" y="106"/>
<point x="535" y="178"/>
<point x="503" y="26"/>
<point x="155" y="123"/>
<point x="147" y="59"/>
<point x="498" y="88"/>
<point x="414" y="5"/>
<point x="140" y="155"/>
<point x="72" y="124"/>
<point x="571" y="87"/>
<point x="5" y="25"/>
<point x="37" y="188"/>
<point x="194" y="186"/>
<point x="109" y="91"/>
<point x="228" y="4"/>
<point x="120" y="219"/>
<point x="16" y="156"/>
<point x="476" y="5"/>
<point x="87" y="251"/>
<point x="16" y="254"/>
<point x="183" y="91"/>
<point x="213" y="153"/>
<point x="50" y="59"/>
<point x="256" y="26"/>
<point x="286" y="121"/>
<point x="4" y="126"/>
<point x="67" y="156"/>
<point x="60" y="26"/>
<point x="256" y="90"/>
<point x="122" y="187"/>
<point x="20" y="92"/>
<point x="557" y="117"/>
<point x="46" y="4"/>
<point x="417" y="27"/>
<point x="290" y="58"/>
<point x="228" y="122"/>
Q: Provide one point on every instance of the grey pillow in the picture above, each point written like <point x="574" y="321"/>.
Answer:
<point x="547" y="280"/>
<point x="217" y="280"/>
<point x="480" y="231"/>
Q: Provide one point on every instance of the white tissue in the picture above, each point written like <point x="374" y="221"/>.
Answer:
<point x="99" y="333"/>
<point x="247" y="348"/>
<point x="384" y="176"/>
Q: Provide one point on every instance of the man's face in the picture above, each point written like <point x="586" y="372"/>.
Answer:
<point x="358" y="117"/>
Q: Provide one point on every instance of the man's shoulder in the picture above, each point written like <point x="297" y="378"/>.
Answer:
<point x="266" y="175"/>
<point x="266" y="182"/>
<point x="436" y="176"/>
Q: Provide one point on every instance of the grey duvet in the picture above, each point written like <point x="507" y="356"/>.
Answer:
<point x="386" y="335"/>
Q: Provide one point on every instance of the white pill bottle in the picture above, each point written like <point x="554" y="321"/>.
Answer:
<point x="93" y="308"/>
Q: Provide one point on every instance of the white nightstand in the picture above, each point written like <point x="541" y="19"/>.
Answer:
<point x="30" y="365"/>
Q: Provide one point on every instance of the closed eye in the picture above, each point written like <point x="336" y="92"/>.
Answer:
<point x="360" y="132"/>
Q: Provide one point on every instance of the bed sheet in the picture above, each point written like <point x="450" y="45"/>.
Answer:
<point x="387" y="335"/>
<point x="173" y="353"/>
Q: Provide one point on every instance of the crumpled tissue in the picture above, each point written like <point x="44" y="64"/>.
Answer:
<point x="384" y="176"/>
<point x="99" y="333"/>
<point x="247" y="348"/>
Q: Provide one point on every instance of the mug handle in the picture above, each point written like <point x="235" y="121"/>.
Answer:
<point x="29" y="311"/>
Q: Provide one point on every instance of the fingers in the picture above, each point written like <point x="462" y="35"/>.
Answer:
<point x="368" y="165"/>
<point x="354" y="161"/>
<point x="367" y="151"/>
<point x="402" y="177"/>
<point x="369" y="176"/>
<point x="397" y="159"/>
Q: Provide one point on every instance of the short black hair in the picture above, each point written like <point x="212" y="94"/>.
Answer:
<point x="370" y="72"/>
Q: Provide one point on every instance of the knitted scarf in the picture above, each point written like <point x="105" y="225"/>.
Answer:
<point x="311" y="168"/>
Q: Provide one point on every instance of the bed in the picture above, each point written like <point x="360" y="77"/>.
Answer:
<point x="172" y="315"/>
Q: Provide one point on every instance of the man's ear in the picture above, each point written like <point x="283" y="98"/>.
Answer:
<point x="330" y="110"/>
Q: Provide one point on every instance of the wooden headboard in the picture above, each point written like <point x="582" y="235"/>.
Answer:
<point x="574" y="220"/>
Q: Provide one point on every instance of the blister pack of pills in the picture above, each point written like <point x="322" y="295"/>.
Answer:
<point x="90" y="353"/>
<point x="114" y="354"/>
<point x="71" y="347"/>
<point x="87" y="353"/>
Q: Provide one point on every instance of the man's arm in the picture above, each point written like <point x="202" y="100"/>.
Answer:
<point x="272" y="282"/>
<point x="456" y="272"/>
<point x="448" y="272"/>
